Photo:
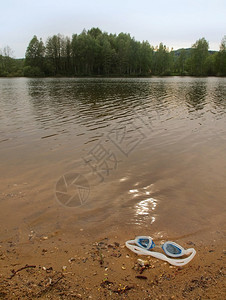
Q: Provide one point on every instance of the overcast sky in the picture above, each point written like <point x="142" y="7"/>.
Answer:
<point x="176" y="23"/>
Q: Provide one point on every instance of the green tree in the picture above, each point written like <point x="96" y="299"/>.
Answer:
<point x="210" y="64"/>
<point x="106" y="54"/>
<point x="35" y="53"/>
<point x="94" y="32"/>
<point x="145" y="57"/>
<point x="83" y="51"/>
<point x="220" y="62"/>
<point x="7" y="62"/>
<point x="55" y="54"/>
<point x="123" y="50"/>
<point x="199" y="56"/>
<point x="94" y="52"/>
<point x="161" y="60"/>
<point x="68" y="55"/>
<point x="181" y="62"/>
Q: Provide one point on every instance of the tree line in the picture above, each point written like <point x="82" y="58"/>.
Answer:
<point x="97" y="53"/>
<point x="10" y="66"/>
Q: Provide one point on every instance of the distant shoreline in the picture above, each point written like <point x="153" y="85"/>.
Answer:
<point x="113" y="76"/>
<point x="100" y="54"/>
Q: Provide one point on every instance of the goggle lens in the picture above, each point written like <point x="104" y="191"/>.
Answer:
<point x="172" y="249"/>
<point x="144" y="242"/>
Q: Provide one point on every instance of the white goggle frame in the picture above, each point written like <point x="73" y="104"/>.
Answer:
<point x="143" y="244"/>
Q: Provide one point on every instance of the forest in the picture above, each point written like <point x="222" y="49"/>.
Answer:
<point x="97" y="53"/>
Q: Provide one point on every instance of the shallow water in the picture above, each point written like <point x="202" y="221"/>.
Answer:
<point x="147" y="154"/>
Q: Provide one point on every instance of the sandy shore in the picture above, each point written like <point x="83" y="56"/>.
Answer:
<point x="50" y="254"/>
<point x="55" y="267"/>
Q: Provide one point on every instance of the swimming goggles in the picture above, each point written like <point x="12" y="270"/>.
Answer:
<point x="143" y="245"/>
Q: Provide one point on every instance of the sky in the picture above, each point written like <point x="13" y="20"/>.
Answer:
<point x="177" y="24"/>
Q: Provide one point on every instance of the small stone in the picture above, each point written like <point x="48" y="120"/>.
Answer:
<point x="123" y="267"/>
<point x="64" y="268"/>
<point x="141" y="277"/>
<point x="190" y="243"/>
<point x="49" y="270"/>
<point x="142" y="262"/>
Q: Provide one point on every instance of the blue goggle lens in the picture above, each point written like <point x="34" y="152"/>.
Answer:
<point x="144" y="242"/>
<point x="172" y="249"/>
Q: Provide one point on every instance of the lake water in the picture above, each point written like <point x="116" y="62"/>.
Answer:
<point x="140" y="155"/>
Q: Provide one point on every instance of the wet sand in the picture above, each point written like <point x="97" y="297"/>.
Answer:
<point x="38" y="261"/>
<point x="91" y="266"/>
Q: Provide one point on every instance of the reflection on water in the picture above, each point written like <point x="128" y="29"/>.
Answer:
<point x="196" y="95"/>
<point x="176" y="172"/>
<point x="145" y="206"/>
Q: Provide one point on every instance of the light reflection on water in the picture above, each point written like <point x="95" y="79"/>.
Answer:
<point x="144" y="209"/>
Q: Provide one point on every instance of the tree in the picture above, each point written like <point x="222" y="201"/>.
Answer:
<point x="94" y="32"/>
<point x="7" y="52"/>
<point x="106" y="54"/>
<point x="7" y="63"/>
<point x="220" y="62"/>
<point x="210" y="65"/>
<point x="95" y="52"/>
<point x="53" y="54"/>
<point x="199" y="56"/>
<point x="181" y="62"/>
<point x="35" y="53"/>
<point x="83" y="52"/>
<point x="161" y="60"/>
<point x="145" y="58"/>
<point x="122" y="50"/>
